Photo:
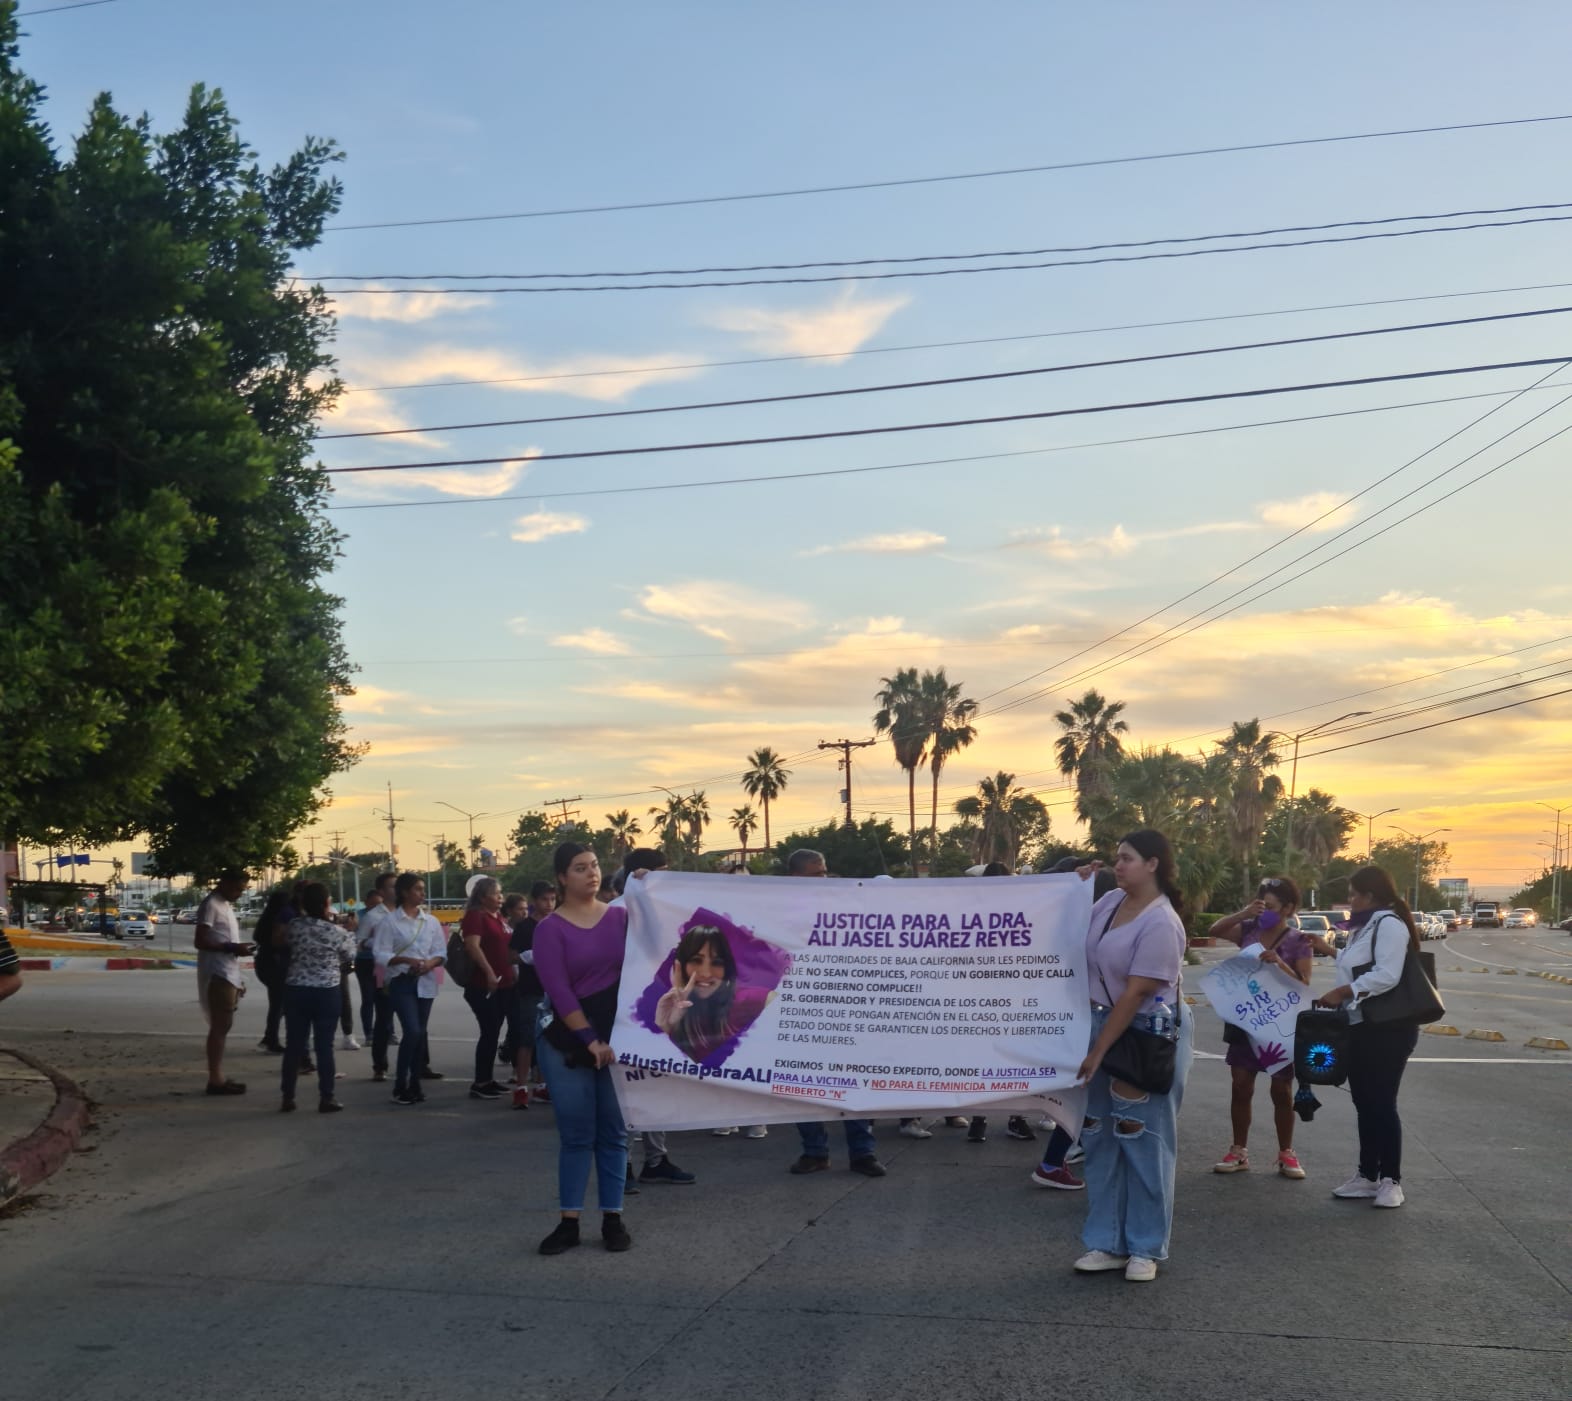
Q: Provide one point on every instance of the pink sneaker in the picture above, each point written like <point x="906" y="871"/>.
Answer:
<point x="1288" y="1164"/>
<point x="1060" y="1177"/>
<point x="1236" y="1159"/>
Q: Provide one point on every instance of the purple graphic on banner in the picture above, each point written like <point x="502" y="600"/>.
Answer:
<point x="711" y="987"/>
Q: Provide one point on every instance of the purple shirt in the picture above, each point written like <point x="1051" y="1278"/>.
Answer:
<point x="573" y="962"/>
<point x="1150" y="946"/>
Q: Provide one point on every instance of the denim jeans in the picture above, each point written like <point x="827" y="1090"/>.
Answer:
<point x="490" y="1009"/>
<point x="366" y="976"/>
<point x="426" y="1004"/>
<point x="273" y="980"/>
<point x="346" y="1004"/>
<point x="403" y="995"/>
<point x="313" y="1012"/>
<point x="816" y="1138"/>
<point x="1378" y="1057"/>
<point x="590" y="1127"/>
<point x="1130" y="1172"/>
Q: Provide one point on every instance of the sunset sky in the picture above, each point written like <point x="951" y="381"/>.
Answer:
<point x="521" y="638"/>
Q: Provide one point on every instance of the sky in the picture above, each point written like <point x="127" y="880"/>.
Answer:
<point x="578" y="640"/>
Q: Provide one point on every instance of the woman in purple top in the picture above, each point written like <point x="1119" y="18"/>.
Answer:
<point x="1266" y="922"/>
<point x="578" y="956"/>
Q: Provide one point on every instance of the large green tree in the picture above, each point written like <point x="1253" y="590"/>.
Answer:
<point x="170" y="662"/>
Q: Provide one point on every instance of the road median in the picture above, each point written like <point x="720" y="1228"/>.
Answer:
<point x="36" y="1153"/>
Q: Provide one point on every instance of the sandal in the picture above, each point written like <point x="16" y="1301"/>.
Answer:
<point x="229" y="1087"/>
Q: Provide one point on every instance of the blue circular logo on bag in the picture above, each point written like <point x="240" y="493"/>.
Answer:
<point x="1320" y="1057"/>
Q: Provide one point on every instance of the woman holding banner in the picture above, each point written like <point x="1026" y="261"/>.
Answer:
<point x="1134" y="952"/>
<point x="1264" y="925"/>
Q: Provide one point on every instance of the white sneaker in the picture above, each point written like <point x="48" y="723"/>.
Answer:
<point x="755" y="1131"/>
<point x="1357" y="1188"/>
<point x="914" y="1129"/>
<point x="1077" y="1154"/>
<point x="723" y="1133"/>
<point x="1388" y="1193"/>
<point x="1095" y="1261"/>
<point x="1140" y="1270"/>
<point x="349" y="1044"/>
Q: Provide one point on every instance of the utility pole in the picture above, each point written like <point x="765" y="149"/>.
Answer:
<point x="845" y="762"/>
<point x="564" y="803"/>
<point x="1293" y="782"/>
<point x="1555" y="864"/>
<point x="392" y="825"/>
<point x="1370" y="818"/>
<point x="338" y="838"/>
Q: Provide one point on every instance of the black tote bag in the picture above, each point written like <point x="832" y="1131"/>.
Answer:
<point x="1413" y="1002"/>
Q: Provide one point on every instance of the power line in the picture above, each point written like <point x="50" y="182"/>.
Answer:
<point x="1261" y="553"/>
<point x="953" y="423"/>
<point x="943" y="179"/>
<point x="55" y="9"/>
<point x="1456" y="719"/>
<point x="947" y="380"/>
<point x="925" y="462"/>
<point x="617" y="370"/>
<point x="941" y="272"/>
<point x="923" y="257"/>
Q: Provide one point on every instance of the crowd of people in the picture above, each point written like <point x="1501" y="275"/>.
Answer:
<point x="541" y="976"/>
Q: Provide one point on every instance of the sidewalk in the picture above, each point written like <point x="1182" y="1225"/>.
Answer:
<point x="42" y="1117"/>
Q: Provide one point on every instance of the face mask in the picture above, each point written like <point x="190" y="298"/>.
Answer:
<point x="1267" y="919"/>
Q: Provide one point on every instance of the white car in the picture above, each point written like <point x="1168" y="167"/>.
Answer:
<point x="1521" y="919"/>
<point x="133" y="924"/>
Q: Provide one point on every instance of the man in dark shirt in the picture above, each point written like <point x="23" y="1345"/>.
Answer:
<point x="10" y="969"/>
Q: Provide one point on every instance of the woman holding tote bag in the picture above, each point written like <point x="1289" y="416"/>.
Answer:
<point x="1387" y="997"/>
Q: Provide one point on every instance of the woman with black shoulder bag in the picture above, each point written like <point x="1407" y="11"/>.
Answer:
<point x="1387" y="997"/>
<point x="1138" y="1062"/>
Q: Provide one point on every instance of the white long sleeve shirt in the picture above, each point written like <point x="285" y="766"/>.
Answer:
<point x="410" y="936"/>
<point x="1384" y="942"/>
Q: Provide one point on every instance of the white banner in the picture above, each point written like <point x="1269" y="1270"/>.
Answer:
<point x="1261" y="1000"/>
<point x="773" y="999"/>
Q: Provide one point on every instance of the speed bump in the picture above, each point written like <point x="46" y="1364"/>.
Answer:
<point x="1440" y="1029"/>
<point x="1547" y="1043"/>
<point x="1191" y="1001"/>
<point x="1506" y="970"/>
<point x="1477" y="1035"/>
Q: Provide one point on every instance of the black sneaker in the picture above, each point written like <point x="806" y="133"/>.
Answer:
<point x="487" y="1091"/>
<point x="805" y="1165"/>
<point x="868" y="1166"/>
<point x="270" y="1048"/>
<point x="404" y="1098"/>
<point x="630" y="1188"/>
<point x="978" y="1132"/>
<point x="1019" y="1128"/>
<point x="668" y="1172"/>
<point x="613" y="1234"/>
<point x="565" y="1237"/>
<point x="328" y="1106"/>
<point x="429" y="1074"/>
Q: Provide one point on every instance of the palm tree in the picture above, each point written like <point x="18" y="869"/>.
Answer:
<point x="744" y="822"/>
<point x="765" y="779"/>
<point x="1089" y="744"/>
<point x="947" y="718"/>
<point x="899" y="717"/>
<point x="1001" y="810"/>
<point x="1250" y="753"/>
<point x="670" y="818"/>
<point x="696" y="814"/>
<point x="625" y="830"/>
<point x="476" y="846"/>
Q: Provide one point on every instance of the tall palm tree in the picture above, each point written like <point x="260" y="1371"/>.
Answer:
<point x="670" y="819"/>
<point x="625" y="830"/>
<point x="744" y="822"/>
<point x="1250" y="752"/>
<point x="696" y="815"/>
<point x="947" y="717"/>
<point x="1089" y="744"/>
<point x="1001" y="809"/>
<point x="765" y="779"/>
<point x="899" y="716"/>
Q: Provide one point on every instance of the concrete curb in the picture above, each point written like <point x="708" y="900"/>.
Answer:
<point x="111" y="965"/>
<point x="29" y="1160"/>
<point x="1440" y="1029"/>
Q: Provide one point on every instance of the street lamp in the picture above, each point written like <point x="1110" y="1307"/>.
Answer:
<point x="1555" y="862"/>
<point x="1370" y="818"/>
<point x="1293" y="780"/>
<point x="1419" y="852"/>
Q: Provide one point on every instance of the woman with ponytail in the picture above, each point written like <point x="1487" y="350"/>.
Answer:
<point x="1134" y="952"/>
<point x="1370" y="964"/>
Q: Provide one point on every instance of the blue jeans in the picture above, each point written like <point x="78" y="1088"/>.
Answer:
<point x="366" y="976"/>
<point x="816" y="1138"/>
<point x="404" y="1001"/>
<point x="589" y="1124"/>
<point x="313" y="1012"/>
<point x="1130" y="1170"/>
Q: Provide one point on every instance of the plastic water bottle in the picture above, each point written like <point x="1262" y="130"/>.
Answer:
<point x="1162" y="1019"/>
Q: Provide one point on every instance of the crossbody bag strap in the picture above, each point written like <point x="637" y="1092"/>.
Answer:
<point x="1096" y="948"/>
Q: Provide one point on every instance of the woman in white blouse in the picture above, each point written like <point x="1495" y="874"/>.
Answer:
<point x="1370" y="964"/>
<point x="408" y="948"/>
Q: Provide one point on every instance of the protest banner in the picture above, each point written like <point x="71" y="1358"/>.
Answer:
<point x="1260" y="999"/>
<point x="773" y="1000"/>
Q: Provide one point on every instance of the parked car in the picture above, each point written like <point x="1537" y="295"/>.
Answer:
<point x="105" y="926"/>
<point x="134" y="924"/>
<point x="186" y="916"/>
<point x="1449" y="918"/>
<point x="1566" y="925"/>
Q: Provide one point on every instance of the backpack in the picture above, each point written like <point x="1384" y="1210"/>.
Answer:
<point x="460" y="966"/>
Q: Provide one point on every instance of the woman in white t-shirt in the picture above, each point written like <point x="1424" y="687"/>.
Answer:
<point x="1134" y="952"/>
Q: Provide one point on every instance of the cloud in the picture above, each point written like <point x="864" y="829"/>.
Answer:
<point x="370" y="700"/>
<point x="407" y="307"/>
<point x="542" y="525"/>
<point x="1290" y="515"/>
<point x="709" y="604"/>
<point x="596" y="640"/>
<point x="902" y="542"/>
<point x="834" y="330"/>
<point x="602" y="377"/>
<point x="518" y="626"/>
<point x="375" y="413"/>
<point x="477" y="482"/>
<point x="1054" y="543"/>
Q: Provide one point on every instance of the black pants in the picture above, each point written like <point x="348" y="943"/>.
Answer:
<point x="381" y="1029"/>
<point x="272" y="978"/>
<point x="346" y="1004"/>
<point x="366" y="976"/>
<point x="426" y="1004"/>
<point x="1378" y="1056"/>
<point x="491" y="1010"/>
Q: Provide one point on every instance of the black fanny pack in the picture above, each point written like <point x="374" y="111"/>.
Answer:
<point x="600" y="1010"/>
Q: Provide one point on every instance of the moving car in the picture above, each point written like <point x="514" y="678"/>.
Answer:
<point x="1521" y="919"/>
<point x="134" y="924"/>
<point x="1487" y="914"/>
<point x="1449" y="918"/>
<point x="186" y="916"/>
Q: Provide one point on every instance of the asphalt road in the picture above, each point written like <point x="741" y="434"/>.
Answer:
<point x="211" y="1247"/>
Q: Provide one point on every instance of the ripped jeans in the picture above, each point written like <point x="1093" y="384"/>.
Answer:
<point x="1131" y="1147"/>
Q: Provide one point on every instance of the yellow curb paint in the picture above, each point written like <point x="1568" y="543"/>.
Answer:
<point x="1547" y="1043"/>
<point x="1506" y="970"/>
<point x="1440" y="1029"/>
<point x="1192" y="1001"/>
<point x="1477" y="1035"/>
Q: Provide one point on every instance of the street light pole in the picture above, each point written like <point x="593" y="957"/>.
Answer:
<point x="1293" y="780"/>
<point x="1370" y="818"/>
<point x="1419" y="853"/>
<point x="1555" y="864"/>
